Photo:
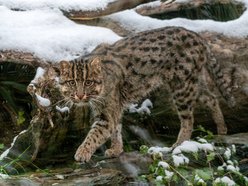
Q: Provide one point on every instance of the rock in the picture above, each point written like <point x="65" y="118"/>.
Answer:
<point x="83" y="177"/>
<point x="237" y="139"/>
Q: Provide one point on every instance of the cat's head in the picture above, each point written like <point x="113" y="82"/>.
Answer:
<point x="80" y="81"/>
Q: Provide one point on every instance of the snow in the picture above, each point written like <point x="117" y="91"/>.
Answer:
<point x="232" y="168"/>
<point x="192" y="147"/>
<point x="49" y="34"/>
<point x="233" y="148"/>
<point x="135" y="22"/>
<point x="163" y="164"/>
<point x="154" y="150"/>
<point x="180" y="159"/>
<point x="44" y="102"/>
<point x="168" y="174"/>
<point x="159" y="178"/>
<point x="58" y="4"/>
<point x="225" y="180"/>
<point x="39" y="73"/>
<point x="62" y="110"/>
<point x="227" y="153"/>
<point x="6" y="152"/>
<point x="144" y="108"/>
<point x="44" y="31"/>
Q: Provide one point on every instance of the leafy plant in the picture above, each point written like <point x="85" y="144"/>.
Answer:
<point x="196" y="163"/>
<point x="14" y="79"/>
<point x="1" y="146"/>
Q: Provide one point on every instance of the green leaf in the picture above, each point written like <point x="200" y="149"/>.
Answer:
<point x="20" y="119"/>
<point x="205" y="174"/>
<point x="1" y="146"/>
<point x="18" y="86"/>
<point x="196" y="155"/>
<point x="211" y="156"/>
<point x="143" y="149"/>
<point x="152" y="168"/>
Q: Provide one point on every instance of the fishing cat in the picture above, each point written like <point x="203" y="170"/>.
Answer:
<point x="112" y="76"/>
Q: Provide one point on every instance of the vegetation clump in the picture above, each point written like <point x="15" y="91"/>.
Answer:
<point x="199" y="162"/>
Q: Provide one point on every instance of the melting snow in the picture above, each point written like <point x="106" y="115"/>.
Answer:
<point x="154" y="150"/>
<point x="227" y="153"/>
<point x="136" y="22"/>
<point x="144" y="108"/>
<point x="159" y="178"/>
<point x="62" y="110"/>
<point x="44" y="102"/>
<point x="180" y="159"/>
<point x="192" y="146"/>
<point x="39" y="73"/>
<point x="225" y="180"/>
<point x="168" y="174"/>
<point x="163" y="164"/>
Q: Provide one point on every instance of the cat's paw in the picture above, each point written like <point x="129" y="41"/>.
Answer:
<point x="113" y="152"/>
<point x="83" y="154"/>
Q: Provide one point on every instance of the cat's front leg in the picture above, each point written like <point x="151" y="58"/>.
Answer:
<point x="116" y="143"/>
<point x="98" y="135"/>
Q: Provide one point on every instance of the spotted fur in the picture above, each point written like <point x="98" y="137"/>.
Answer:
<point x="113" y="76"/>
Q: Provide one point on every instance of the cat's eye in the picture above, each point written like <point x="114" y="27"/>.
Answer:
<point x="89" y="83"/>
<point x="72" y="82"/>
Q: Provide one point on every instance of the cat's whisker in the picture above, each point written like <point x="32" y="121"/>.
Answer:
<point x="60" y="101"/>
<point x="98" y="102"/>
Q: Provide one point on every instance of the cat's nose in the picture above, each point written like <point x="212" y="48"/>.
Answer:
<point x="81" y="96"/>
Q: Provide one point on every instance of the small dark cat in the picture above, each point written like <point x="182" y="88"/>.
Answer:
<point x="112" y="76"/>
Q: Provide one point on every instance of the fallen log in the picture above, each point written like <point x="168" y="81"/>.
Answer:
<point x="112" y="7"/>
<point x="166" y="8"/>
<point x="53" y="136"/>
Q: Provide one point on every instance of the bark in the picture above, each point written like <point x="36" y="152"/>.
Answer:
<point x="113" y="7"/>
<point x="21" y="58"/>
<point x="177" y="6"/>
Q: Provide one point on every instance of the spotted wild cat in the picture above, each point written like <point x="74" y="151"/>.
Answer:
<point x="112" y="76"/>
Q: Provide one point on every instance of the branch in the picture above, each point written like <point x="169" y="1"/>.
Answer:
<point x="113" y="7"/>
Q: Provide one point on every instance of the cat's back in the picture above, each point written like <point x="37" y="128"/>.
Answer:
<point x="159" y="41"/>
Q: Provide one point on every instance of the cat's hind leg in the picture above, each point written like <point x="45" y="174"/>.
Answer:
<point x="186" y="118"/>
<point x="212" y="103"/>
<point x="184" y="97"/>
<point x="116" y="143"/>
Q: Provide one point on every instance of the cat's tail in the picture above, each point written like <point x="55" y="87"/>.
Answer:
<point x="223" y="85"/>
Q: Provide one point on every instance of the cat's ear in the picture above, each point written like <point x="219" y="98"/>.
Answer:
<point x="64" y="66"/>
<point x="96" y="64"/>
